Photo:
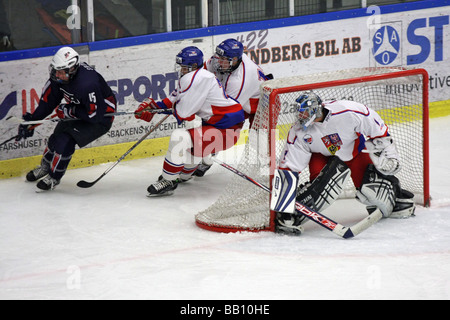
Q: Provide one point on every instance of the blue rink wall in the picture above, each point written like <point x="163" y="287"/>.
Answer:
<point x="142" y="66"/>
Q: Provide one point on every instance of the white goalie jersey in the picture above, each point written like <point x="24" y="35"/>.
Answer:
<point x="342" y="133"/>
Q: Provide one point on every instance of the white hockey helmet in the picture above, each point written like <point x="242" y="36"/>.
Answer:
<point x="66" y="59"/>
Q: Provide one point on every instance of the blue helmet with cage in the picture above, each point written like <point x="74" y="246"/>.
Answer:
<point x="309" y="107"/>
<point x="229" y="50"/>
<point x="189" y="59"/>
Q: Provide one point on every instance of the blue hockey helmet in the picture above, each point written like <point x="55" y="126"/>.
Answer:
<point x="228" y="55"/>
<point x="189" y="59"/>
<point x="309" y="107"/>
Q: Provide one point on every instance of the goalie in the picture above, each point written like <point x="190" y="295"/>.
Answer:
<point x="330" y="139"/>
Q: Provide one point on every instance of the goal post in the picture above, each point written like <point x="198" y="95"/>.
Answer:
<point x="399" y="95"/>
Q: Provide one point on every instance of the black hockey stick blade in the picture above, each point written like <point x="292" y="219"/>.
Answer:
<point x="86" y="184"/>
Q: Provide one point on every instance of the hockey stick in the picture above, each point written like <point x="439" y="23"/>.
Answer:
<point x="6" y="141"/>
<point x="317" y="217"/>
<point x="37" y="123"/>
<point x="85" y="184"/>
<point x="17" y="136"/>
<point x="120" y="113"/>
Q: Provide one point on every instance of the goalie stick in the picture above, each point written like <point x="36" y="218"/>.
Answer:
<point x="86" y="184"/>
<point x="317" y="217"/>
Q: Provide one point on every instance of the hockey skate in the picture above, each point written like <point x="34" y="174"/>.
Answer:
<point x="46" y="184"/>
<point x="288" y="223"/>
<point x="177" y="180"/>
<point x="37" y="173"/>
<point x="201" y="170"/>
<point x="162" y="187"/>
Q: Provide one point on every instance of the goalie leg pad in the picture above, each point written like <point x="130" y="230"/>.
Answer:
<point x="326" y="187"/>
<point x="284" y="191"/>
<point x="282" y="201"/>
<point x="378" y="190"/>
<point x="404" y="205"/>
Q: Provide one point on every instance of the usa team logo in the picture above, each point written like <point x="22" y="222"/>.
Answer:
<point x="386" y="45"/>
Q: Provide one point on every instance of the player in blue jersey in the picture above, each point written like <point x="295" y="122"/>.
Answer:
<point x="82" y="99"/>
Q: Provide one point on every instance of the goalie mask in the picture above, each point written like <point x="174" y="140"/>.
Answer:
<point x="188" y="59"/>
<point x="228" y="56"/>
<point x="309" y="107"/>
<point x="65" y="60"/>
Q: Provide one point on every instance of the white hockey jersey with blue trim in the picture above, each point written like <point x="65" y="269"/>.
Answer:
<point x="200" y="93"/>
<point x="243" y="83"/>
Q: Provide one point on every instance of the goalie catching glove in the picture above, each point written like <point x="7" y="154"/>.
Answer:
<point x="384" y="155"/>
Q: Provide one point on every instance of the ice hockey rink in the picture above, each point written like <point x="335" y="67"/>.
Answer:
<point x="112" y="242"/>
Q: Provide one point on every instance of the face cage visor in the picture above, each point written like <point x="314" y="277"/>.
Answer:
<point x="70" y="73"/>
<point x="222" y="64"/>
<point x="182" y="69"/>
<point x="307" y="113"/>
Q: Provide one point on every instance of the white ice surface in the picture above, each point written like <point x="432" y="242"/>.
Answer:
<point x="112" y="242"/>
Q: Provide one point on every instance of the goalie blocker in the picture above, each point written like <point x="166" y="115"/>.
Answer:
<point x="377" y="190"/>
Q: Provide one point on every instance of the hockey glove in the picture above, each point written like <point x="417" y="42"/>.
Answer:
<point x="66" y="111"/>
<point x="384" y="155"/>
<point x="25" y="130"/>
<point x="143" y="112"/>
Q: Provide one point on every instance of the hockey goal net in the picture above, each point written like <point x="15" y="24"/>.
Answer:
<point x="399" y="95"/>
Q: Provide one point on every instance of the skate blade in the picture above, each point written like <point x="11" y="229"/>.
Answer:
<point x="158" y="195"/>
<point x="39" y="190"/>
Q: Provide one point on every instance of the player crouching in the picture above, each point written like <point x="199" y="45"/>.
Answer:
<point x="84" y="115"/>
<point x="198" y="93"/>
<point x="330" y="139"/>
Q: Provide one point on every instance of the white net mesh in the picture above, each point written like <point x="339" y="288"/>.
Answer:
<point x="398" y="98"/>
